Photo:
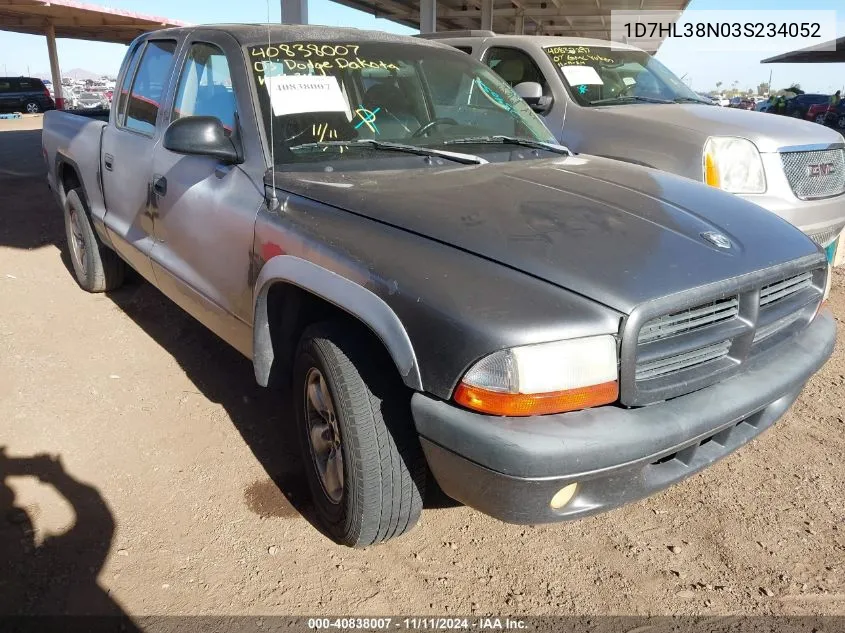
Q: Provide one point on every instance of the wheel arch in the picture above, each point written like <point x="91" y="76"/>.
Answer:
<point x="288" y="273"/>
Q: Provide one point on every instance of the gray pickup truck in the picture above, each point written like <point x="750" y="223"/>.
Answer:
<point x="383" y="226"/>
<point x="615" y="100"/>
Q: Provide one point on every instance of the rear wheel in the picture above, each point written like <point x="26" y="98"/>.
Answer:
<point x="841" y="122"/>
<point x="363" y="461"/>
<point x="32" y="107"/>
<point x="97" y="268"/>
<point x="820" y="118"/>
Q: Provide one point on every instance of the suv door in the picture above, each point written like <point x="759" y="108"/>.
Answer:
<point x="127" y="151"/>
<point x="205" y="210"/>
<point x="6" y="96"/>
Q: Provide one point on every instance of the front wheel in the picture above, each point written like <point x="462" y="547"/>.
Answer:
<point x="97" y="268"/>
<point x="363" y="461"/>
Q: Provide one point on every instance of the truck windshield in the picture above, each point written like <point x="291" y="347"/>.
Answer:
<point x="597" y="75"/>
<point x="319" y="93"/>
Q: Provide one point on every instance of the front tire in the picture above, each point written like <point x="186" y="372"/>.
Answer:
<point x="96" y="267"/>
<point x="363" y="461"/>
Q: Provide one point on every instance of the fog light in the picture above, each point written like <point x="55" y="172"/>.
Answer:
<point x="563" y="496"/>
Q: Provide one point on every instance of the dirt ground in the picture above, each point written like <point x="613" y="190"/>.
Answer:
<point x="166" y="497"/>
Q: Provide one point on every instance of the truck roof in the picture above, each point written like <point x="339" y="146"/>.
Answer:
<point x="255" y="34"/>
<point x="542" y="41"/>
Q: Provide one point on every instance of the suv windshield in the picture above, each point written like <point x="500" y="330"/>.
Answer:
<point x="319" y="93"/>
<point x="596" y="75"/>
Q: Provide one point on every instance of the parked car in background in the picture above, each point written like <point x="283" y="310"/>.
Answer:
<point x="91" y="101"/>
<point x="799" y="105"/>
<point x="441" y="286"/>
<point x="763" y="105"/>
<point x="615" y="100"/>
<point x="742" y="103"/>
<point x="24" y="94"/>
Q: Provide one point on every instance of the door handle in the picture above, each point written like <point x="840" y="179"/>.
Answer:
<point x="108" y="161"/>
<point x="160" y="185"/>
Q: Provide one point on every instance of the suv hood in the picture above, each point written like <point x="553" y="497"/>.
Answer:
<point x="616" y="233"/>
<point x="769" y="132"/>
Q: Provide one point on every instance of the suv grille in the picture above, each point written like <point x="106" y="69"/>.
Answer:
<point x="816" y="174"/>
<point x="688" y="349"/>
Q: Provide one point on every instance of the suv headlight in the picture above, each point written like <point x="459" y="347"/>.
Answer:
<point x="544" y="378"/>
<point x="733" y="164"/>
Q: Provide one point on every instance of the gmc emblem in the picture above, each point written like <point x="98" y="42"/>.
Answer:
<point x="820" y="169"/>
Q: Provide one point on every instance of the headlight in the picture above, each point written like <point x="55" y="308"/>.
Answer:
<point x="545" y="378"/>
<point x="733" y="164"/>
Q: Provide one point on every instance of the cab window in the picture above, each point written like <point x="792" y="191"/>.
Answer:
<point x="205" y="87"/>
<point x="516" y="67"/>
<point x="149" y="85"/>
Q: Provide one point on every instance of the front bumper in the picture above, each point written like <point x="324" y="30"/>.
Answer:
<point x="510" y="468"/>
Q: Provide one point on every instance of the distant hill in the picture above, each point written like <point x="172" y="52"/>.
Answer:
<point x="80" y="74"/>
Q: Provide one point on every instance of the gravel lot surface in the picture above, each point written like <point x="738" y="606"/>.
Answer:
<point x="177" y="488"/>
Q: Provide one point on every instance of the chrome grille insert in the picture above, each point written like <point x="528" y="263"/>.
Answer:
<point x="815" y="174"/>
<point x="663" y="366"/>
<point x="692" y="319"/>
<point x="787" y="287"/>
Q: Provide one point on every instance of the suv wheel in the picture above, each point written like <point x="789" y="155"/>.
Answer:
<point x="32" y="107"/>
<point x="841" y="122"/>
<point x="97" y="268"/>
<point x="363" y="461"/>
<point x="820" y="118"/>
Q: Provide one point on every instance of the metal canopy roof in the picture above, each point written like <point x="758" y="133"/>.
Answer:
<point x="576" y="18"/>
<point x="77" y="20"/>
<point x="813" y="54"/>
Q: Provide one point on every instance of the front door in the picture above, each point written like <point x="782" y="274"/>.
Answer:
<point x="205" y="211"/>
<point x="127" y="151"/>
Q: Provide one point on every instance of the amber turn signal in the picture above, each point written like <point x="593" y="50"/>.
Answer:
<point x="524" y="404"/>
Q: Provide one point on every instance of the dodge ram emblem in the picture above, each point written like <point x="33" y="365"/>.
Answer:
<point x="820" y="169"/>
<point x="716" y="239"/>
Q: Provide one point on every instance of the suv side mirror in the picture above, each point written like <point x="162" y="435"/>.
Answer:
<point x="532" y="93"/>
<point x="202" y="136"/>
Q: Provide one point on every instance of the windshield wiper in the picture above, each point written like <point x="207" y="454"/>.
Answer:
<point x="511" y="140"/>
<point x="624" y="98"/>
<point x="691" y="100"/>
<point x="465" y="159"/>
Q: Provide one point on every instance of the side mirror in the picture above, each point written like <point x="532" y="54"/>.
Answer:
<point x="201" y="136"/>
<point x="532" y="93"/>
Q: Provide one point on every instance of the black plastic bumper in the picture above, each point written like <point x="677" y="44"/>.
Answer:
<point x="510" y="468"/>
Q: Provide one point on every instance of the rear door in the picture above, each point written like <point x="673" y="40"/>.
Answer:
<point x="127" y="150"/>
<point x="205" y="210"/>
<point x="6" y="93"/>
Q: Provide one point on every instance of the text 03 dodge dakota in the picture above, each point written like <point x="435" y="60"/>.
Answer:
<point x="383" y="225"/>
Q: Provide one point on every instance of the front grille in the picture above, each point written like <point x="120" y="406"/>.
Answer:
<point x="688" y="349"/>
<point x="662" y="366"/>
<point x="786" y="288"/>
<point x="815" y="174"/>
<point x="691" y="319"/>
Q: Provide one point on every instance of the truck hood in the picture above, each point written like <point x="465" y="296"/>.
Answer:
<point x="616" y="233"/>
<point x="768" y="131"/>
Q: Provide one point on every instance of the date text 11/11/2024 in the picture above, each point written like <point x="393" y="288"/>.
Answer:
<point x="722" y="29"/>
<point x="487" y="623"/>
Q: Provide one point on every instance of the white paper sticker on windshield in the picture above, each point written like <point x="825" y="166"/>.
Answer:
<point x="581" y="75"/>
<point x="296" y="94"/>
<point x="629" y="81"/>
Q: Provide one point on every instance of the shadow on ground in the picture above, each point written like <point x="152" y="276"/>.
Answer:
<point x="59" y="575"/>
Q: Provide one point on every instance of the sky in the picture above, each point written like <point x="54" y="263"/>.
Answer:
<point x="27" y="54"/>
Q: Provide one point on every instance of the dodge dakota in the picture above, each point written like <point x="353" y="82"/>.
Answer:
<point x="383" y="226"/>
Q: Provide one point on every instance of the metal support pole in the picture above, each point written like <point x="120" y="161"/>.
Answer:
<point x="55" y="71"/>
<point x="519" y="24"/>
<point x="486" y="15"/>
<point x="428" y="16"/>
<point x="294" y="11"/>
